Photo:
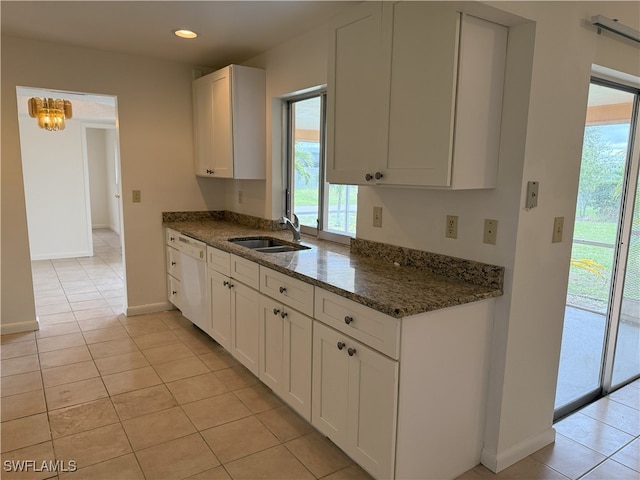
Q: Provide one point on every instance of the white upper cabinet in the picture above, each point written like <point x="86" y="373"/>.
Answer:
<point x="357" y="86"/>
<point x="229" y="123"/>
<point x="440" y="109"/>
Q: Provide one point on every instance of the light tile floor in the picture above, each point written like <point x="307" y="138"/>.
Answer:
<point x="151" y="397"/>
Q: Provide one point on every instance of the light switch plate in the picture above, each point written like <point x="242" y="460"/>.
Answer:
<point x="136" y="196"/>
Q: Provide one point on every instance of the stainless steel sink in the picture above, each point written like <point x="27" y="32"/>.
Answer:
<point x="267" y="244"/>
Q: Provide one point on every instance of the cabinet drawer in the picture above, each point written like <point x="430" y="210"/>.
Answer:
<point x="373" y="328"/>
<point x="245" y="271"/>
<point x="171" y="237"/>
<point x="218" y="260"/>
<point x="290" y="291"/>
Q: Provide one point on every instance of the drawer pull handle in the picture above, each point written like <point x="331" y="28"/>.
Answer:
<point x="348" y="319"/>
<point x="283" y="290"/>
<point x="341" y="345"/>
<point x="276" y="311"/>
<point x="283" y="314"/>
<point x="351" y="351"/>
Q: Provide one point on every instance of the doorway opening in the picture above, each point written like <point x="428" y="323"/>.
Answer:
<point x="74" y="215"/>
<point x="601" y="334"/>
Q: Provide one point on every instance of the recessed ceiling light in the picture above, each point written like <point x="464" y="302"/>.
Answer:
<point x="185" y="33"/>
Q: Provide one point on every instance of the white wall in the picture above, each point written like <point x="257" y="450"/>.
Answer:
<point x="97" y="161"/>
<point x="156" y="157"/>
<point x="55" y="193"/>
<point x="292" y="66"/>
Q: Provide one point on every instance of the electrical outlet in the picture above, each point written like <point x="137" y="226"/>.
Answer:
<point x="240" y="197"/>
<point x="377" y="216"/>
<point x="136" y="196"/>
<point x="490" y="231"/>
<point x="558" y="227"/>
<point x="451" y="230"/>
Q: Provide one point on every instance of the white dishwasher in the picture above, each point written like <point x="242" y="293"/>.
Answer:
<point x="187" y="277"/>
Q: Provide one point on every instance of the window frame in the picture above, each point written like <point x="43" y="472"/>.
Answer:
<point x="289" y="167"/>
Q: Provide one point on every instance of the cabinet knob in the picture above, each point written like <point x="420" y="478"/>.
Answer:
<point x="276" y="311"/>
<point x="173" y="263"/>
<point x="283" y="289"/>
<point x="341" y="345"/>
<point x="283" y="314"/>
<point x="348" y="319"/>
<point x="225" y="283"/>
<point x="172" y="239"/>
<point x="210" y="172"/>
<point x="230" y="285"/>
<point x="173" y="292"/>
<point x="351" y="351"/>
<point x="368" y="177"/>
<point x="378" y="175"/>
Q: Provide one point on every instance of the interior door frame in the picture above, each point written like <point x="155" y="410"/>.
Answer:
<point x="85" y="154"/>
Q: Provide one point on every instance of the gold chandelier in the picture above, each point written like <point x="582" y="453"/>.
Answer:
<point x="51" y="114"/>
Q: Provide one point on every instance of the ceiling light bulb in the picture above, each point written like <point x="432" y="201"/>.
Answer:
<point x="185" y="33"/>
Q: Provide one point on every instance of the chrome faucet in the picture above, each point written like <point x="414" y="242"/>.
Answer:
<point x="294" y="226"/>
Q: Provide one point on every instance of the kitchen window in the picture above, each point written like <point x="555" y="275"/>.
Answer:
<point x="325" y="210"/>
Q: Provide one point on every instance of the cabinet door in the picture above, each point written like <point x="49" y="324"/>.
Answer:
<point x="212" y="125"/>
<point x="220" y="308"/>
<point x="271" y="343"/>
<point x="373" y="404"/>
<point x="174" y="287"/>
<point x="330" y="384"/>
<point x="245" y="313"/>
<point x="357" y="90"/>
<point x="483" y="54"/>
<point x="422" y="93"/>
<point x="296" y="384"/>
<point x="173" y="263"/>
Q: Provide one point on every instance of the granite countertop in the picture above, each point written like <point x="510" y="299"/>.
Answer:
<point x="389" y="279"/>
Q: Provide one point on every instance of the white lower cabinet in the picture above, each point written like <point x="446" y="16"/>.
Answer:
<point x="220" y="307"/>
<point x="355" y="396"/>
<point x="245" y="311"/>
<point x="341" y="368"/>
<point x="285" y="353"/>
<point x="234" y="307"/>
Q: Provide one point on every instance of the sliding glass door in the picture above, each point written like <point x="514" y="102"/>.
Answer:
<point x="602" y="317"/>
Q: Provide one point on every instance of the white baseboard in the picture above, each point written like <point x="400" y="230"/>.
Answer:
<point x="51" y="256"/>
<point x="19" y="327"/>
<point x="149" y="308"/>
<point x="497" y="462"/>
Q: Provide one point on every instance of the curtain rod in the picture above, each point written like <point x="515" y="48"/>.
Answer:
<point x="614" y="26"/>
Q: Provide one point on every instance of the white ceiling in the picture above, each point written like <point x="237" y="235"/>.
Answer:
<point x="229" y="31"/>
